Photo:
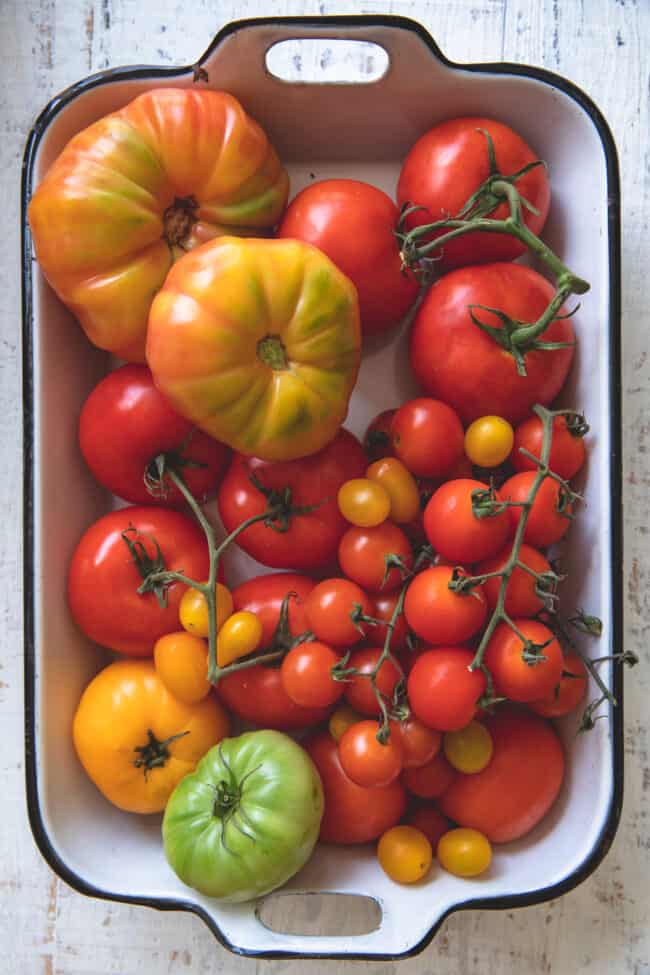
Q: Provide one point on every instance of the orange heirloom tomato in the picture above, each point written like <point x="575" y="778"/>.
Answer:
<point x="258" y="343"/>
<point x="139" y="187"/>
<point x="136" y="741"/>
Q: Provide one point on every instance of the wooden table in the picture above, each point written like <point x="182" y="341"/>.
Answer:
<point x="604" y="925"/>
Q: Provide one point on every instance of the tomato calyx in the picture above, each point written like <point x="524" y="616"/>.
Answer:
<point x="155" y="753"/>
<point x="178" y="220"/>
<point x="151" y="569"/>
<point x="577" y="425"/>
<point x="272" y="352"/>
<point x="156" y="479"/>
<point x="279" y="505"/>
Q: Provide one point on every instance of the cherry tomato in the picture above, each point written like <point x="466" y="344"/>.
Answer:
<point x="449" y="163"/>
<point x="365" y="759"/>
<point x="521" y="598"/>
<point x="419" y="743"/>
<point x="464" y="852"/>
<point x="240" y="635"/>
<point x="401" y="487"/>
<point x="382" y="608"/>
<point x="405" y="854"/>
<point x="515" y="791"/>
<point x="453" y="529"/>
<point x="307" y="675"/>
<point x="567" y="453"/>
<point x="512" y="675"/>
<point x="439" y="615"/>
<point x="364" y="502"/>
<point x="488" y="441"/>
<point x="377" y="441"/>
<point x="469" y="749"/>
<point x="264" y="595"/>
<point x="430" y="781"/>
<point x="567" y="695"/>
<point x="442" y="691"/>
<point x="342" y="719"/>
<point x="354" y="223"/>
<point x="430" y="821"/>
<point x="182" y="664"/>
<point x="427" y="437"/>
<point x="193" y="610"/>
<point x="358" y="690"/>
<point x="363" y="553"/>
<point x="352" y="814"/>
<point x="548" y="519"/>
<point x="328" y="610"/>
<point x="126" y="422"/>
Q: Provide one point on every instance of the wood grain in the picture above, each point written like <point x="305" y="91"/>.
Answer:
<point x="603" y="926"/>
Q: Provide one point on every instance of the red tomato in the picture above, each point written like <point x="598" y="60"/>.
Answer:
<point x="377" y="441"/>
<point x="546" y="524"/>
<point x="512" y="676"/>
<point x="382" y="608"/>
<point x="125" y="423"/>
<point x="307" y="675"/>
<point x="521" y="598"/>
<point x="428" y="437"/>
<point x="567" y="454"/>
<point x="442" y="691"/>
<point x="358" y="690"/>
<point x="103" y="578"/>
<point x="311" y="539"/>
<point x="454" y="530"/>
<point x="264" y="594"/>
<point x="352" y="814"/>
<point x="430" y="781"/>
<point x="567" y="695"/>
<point x="520" y="784"/>
<point x="328" y="609"/>
<point x="439" y="615"/>
<point x="449" y="163"/>
<point x="456" y="361"/>
<point x="430" y="821"/>
<point x="354" y="223"/>
<point x="363" y="553"/>
<point x="419" y="744"/>
<point x="366" y="760"/>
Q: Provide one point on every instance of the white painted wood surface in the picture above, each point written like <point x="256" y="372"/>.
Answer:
<point x="604" y="925"/>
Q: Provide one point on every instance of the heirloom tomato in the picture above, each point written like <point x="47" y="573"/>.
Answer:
<point x="263" y="595"/>
<point x="181" y="662"/>
<point x="138" y="188"/>
<point x="401" y="487"/>
<point x="258" y="343"/>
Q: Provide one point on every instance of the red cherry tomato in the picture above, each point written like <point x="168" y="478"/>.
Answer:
<point x="546" y="523"/>
<point x="377" y="441"/>
<point x="442" y="691"/>
<point x="363" y="553"/>
<point x="430" y="821"/>
<point x="428" y="437"/>
<point x="567" y="454"/>
<point x="521" y="598"/>
<point x="419" y="743"/>
<point x="432" y="780"/>
<point x="329" y="608"/>
<point x="307" y="675"/>
<point x="365" y="759"/>
<point x="453" y="529"/>
<point x="512" y="675"/>
<point x="567" y="695"/>
<point x="382" y="608"/>
<point x="439" y="615"/>
<point x="358" y="690"/>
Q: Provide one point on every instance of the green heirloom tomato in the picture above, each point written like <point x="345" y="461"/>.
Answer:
<point x="247" y="819"/>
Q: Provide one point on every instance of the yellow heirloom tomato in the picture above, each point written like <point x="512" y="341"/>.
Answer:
<point x="136" y="190"/>
<point x="258" y="343"/>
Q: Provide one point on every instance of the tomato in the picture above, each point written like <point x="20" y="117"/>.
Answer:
<point x="429" y="821"/>
<point x="567" y="694"/>
<point x="427" y="437"/>
<point x="311" y="537"/>
<point x="136" y="740"/>
<point x="548" y="519"/>
<point x="239" y="636"/>
<point x="258" y="343"/>
<point x="181" y="662"/>
<point x="488" y="441"/>
<point x="469" y="749"/>
<point x="521" y="598"/>
<point x="449" y="163"/>
<point x="353" y="814"/>
<point x="263" y="595"/>
<point x="247" y="819"/>
<point x="193" y="610"/>
<point x="103" y="578"/>
<point x="138" y="188"/>
<point x="567" y="454"/>
<point x="419" y="744"/>
<point x="405" y="854"/>
<point x="364" y="502"/>
<point x="401" y="487"/>
<point x="125" y="423"/>
<point x="354" y="224"/>
<point x="512" y="675"/>
<point x="307" y="675"/>
<point x="366" y="760"/>
<point x="516" y="790"/>
<point x="439" y="615"/>
<point x="382" y="608"/>
<point x="328" y="610"/>
<point x="442" y="691"/>
<point x="431" y="780"/>
<point x="464" y="852"/>
<point x="454" y="530"/>
<point x="358" y="690"/>
<point x="456" y="361"/>
<point x="341" y="720"/>
<point x="363" y="553"/>
<point x="377" y="441"/>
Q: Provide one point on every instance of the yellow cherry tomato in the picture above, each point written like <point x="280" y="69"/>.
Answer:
<point x="181" y="661"/>
<point x="193" y="610"/>
<point x="400" y="486"/>
<point x="488" y="441"/>
<point x="470" y="749"/>
<point x="464" y="852"/>
<point x="342" y="719"/>
<point x="405" y="854"/>
<point x="363" y="503"/>
<point x="239" y="636"/>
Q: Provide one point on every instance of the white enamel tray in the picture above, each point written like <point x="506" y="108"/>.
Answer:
<point x="325" y="129"/>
